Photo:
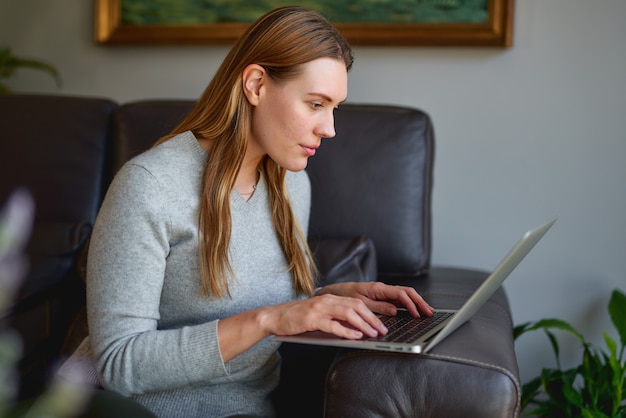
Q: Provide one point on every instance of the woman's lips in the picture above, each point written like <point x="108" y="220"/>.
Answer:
<point x="310" y="151"/>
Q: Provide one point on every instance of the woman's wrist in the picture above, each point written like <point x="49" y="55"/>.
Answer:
<point x="263" y="321"/>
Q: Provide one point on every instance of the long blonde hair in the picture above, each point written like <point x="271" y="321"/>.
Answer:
<point x="281" y="41"/>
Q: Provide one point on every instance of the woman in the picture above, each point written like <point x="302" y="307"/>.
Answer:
<point x="199" y="251"/>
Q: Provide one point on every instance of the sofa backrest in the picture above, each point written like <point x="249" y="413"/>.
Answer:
<point x="373" y="179"/>
<point x="138" y="125"/>
<point x="57" y="147"/>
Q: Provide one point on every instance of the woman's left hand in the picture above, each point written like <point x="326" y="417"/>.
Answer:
<point x="382" y="298"/>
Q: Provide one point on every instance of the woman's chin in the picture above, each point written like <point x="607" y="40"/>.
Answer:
<point x="296" y="165"/>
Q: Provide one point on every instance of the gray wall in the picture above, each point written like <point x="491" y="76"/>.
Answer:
<point x="523" y="134"/>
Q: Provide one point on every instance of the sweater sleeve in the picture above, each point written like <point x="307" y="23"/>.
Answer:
<point x="125" y="276"/>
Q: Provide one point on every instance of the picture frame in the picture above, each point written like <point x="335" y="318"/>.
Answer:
<point x="496" y="31"/>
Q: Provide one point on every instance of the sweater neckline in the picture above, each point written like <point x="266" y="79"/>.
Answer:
<point x="260" y="194"/>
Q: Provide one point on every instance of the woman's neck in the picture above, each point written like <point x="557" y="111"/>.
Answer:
<point x="248" y="176"/>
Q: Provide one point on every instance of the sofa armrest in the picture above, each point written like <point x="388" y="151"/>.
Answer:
<point x="52" y="251"/>
<point x="473" y="372"/>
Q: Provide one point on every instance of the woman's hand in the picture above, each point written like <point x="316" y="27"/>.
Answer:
<point x="345" y="317"/>
<point x="345" y="310"/>
<point x="382" y="298"/>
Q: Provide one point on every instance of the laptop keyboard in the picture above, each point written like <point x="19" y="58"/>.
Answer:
<point x="404" y="328"/>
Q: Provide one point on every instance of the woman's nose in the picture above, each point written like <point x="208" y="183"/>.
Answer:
<point x="327" y="127"/>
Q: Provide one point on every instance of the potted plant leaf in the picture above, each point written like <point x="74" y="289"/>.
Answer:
<point x="594" y="388"/>
<point x="9" y="63"/>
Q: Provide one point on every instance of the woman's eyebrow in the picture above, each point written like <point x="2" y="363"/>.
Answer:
<point x="325" y="97"/>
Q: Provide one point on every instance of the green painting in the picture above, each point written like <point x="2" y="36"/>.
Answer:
<point x="200" y="12"/>
<point x="363" y="22"/>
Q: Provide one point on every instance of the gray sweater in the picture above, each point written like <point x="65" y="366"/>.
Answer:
<point x="153" y="334"/>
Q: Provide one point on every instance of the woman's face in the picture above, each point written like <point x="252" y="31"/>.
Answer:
<point x="290" y="118"/>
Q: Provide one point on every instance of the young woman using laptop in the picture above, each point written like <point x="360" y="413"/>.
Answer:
<point x="199" y="252"/>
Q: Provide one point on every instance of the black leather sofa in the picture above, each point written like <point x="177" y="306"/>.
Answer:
<point x="373" y="180"/>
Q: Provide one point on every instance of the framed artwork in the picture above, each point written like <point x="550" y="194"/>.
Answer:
<point x="363" y="22"/>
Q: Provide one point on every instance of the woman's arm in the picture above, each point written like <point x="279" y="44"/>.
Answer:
<point x="125" y="277"/>
<point x="345" y="310"/>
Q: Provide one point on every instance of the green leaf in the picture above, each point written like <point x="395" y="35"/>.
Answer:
<point x="529" y="391"/>
<point x="520" y="329"/>
<point x="572" y="395"/>
<point x="610" y="344"/>
<point x="592" y="371"/>
<point x="559" y="386"/>
<point x="555" y="347"/>
<point x="546" y="325"/>
<point x="617" y="374"/>
<point x="591" y="413"/>
<point x="617" y="310"/>
<point x="553" y="324"/>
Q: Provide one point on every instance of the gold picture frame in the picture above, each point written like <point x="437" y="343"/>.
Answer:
<point x="497" y="31"/>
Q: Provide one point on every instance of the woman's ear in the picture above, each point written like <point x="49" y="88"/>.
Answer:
<point x="253" y="78"/>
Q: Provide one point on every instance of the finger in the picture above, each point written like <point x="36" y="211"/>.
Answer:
<point x="344" y="329"/>
<point x="364" y="320"/>
<point x="385" y="299"/>
<point x="415" y="302"/>
<point x="382" y="307"/>
<point x="408" y="298"/>
<point x="420" y="302"/>
<point x="343" y="315"/>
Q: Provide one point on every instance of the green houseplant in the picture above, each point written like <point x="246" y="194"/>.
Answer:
<point x="9" y="63"/>
<point x="594" y="388"/>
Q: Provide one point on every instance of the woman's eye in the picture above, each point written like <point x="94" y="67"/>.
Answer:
<point x="317" y="105"/>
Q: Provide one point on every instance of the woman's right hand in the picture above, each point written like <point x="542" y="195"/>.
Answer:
<point x="342" y="316"/>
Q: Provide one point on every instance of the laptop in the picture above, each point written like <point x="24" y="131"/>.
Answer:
<point x="420" y="335"/>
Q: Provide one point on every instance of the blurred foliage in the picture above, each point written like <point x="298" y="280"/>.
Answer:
<point x="63" y="399"/>
<point x="188" y="12"/>
<point x="9" y="63"/>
